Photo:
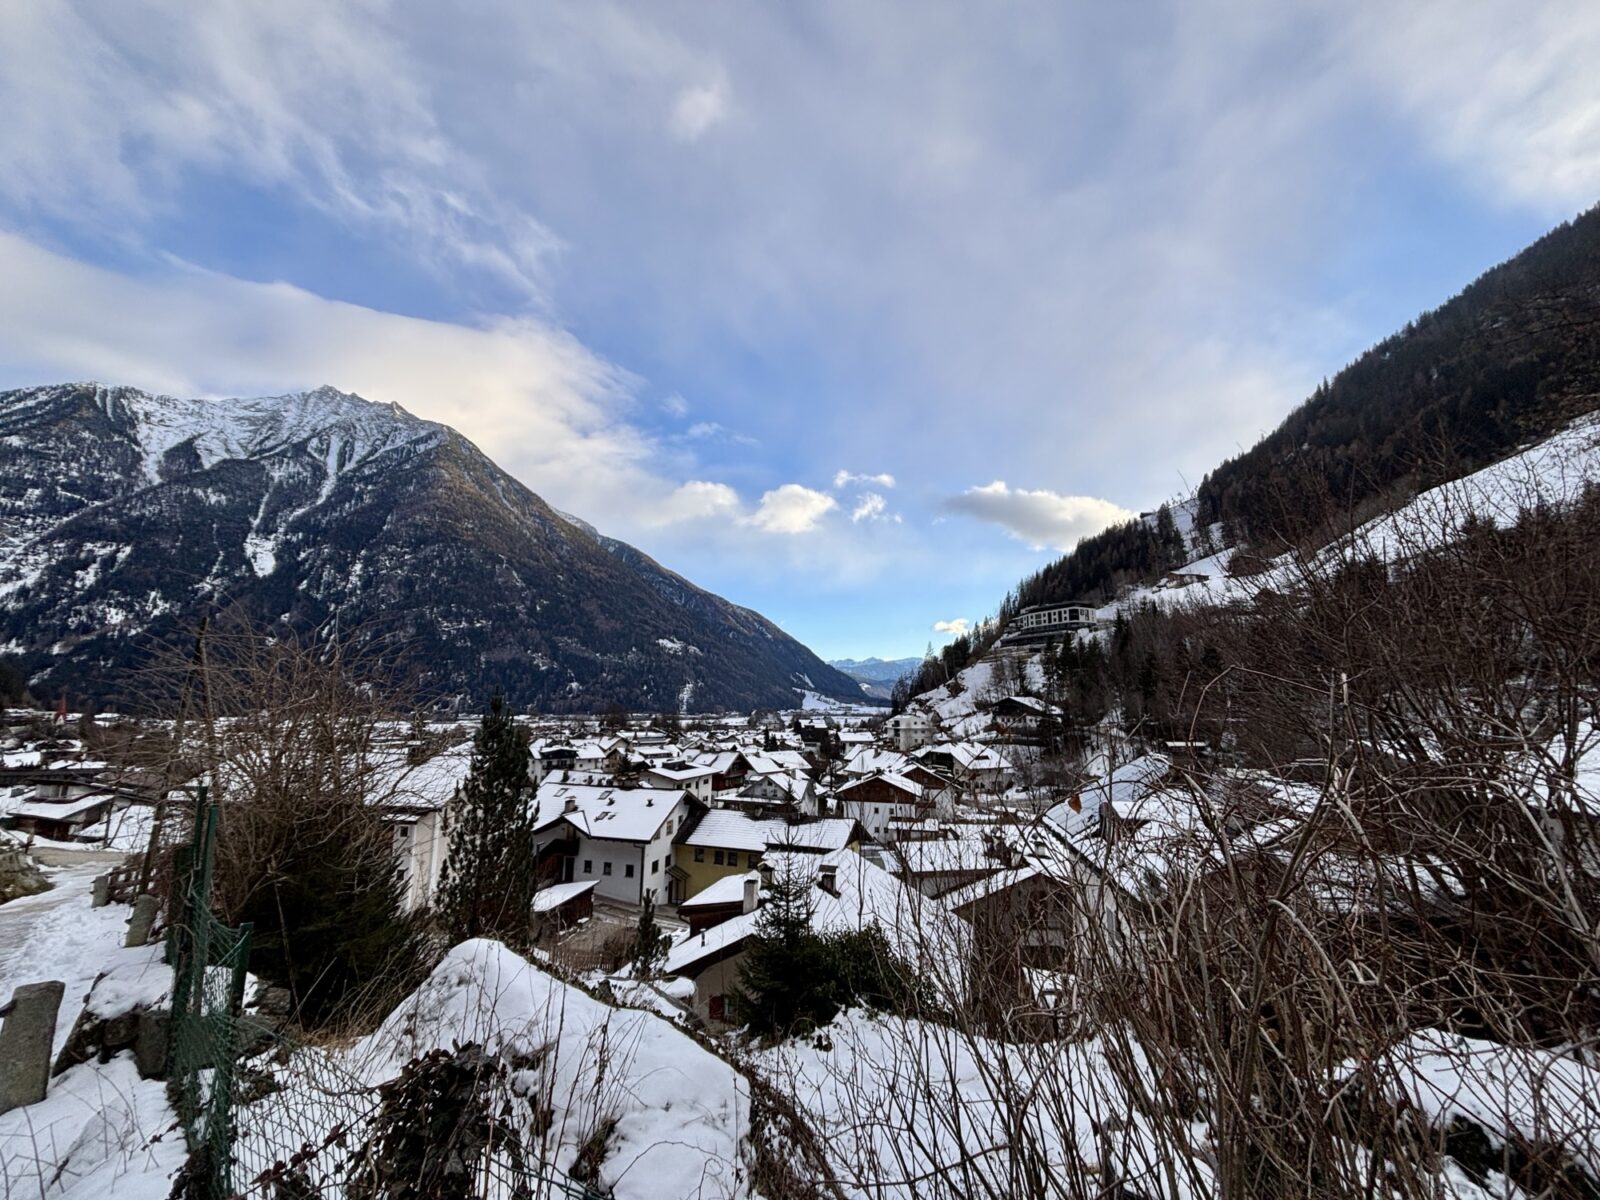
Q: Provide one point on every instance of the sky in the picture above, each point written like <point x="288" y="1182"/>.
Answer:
<point x="854" y="312"/>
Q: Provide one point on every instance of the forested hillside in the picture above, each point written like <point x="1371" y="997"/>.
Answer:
<point x="1509" y="360"/>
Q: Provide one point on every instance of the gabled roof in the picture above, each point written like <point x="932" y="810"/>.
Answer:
<point x="899" y="782"/>
<point x="610" y="812"/>
<point x="871" y="760"/>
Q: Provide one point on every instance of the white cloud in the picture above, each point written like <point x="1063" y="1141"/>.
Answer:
<point x="844" y="478"/>
<point x="698" y="108"/>
<point x="531" y="396"/>
<point x="675" y="406"/>
<point x="791" y="508"/>
<point x="696" y="500"/>
<point x="1040" y="518"/>
<point x="954" y="627"/>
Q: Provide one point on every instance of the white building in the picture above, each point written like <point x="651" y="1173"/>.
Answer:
<point x="910" y="730"/>
<point x="692" y="778"/>
<point x="620" y="837"/>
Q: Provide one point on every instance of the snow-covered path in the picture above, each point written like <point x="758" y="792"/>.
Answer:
<point x="57" y="935"/>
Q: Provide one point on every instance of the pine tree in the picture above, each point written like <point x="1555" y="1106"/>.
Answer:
<point x="488" y="881"/>
<point x="785" y="984"/>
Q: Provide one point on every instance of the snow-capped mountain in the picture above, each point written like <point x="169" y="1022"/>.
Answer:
<point x="877" y="676"/>
<point x="125" y="516"/>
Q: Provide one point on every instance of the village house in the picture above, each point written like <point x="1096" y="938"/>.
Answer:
<point x="879" y="800"/>
<point x="1023" y="716"/>
<point x="61" y="800"/>
<point x="691" y="777"/>
<point x="413" y="797"/>
<point x="848" y="894"/>
<point x="974" y="767"/>
<point x="727" y="841"/>
<point x="621" y="837"/>
<point x="782" y="793"/>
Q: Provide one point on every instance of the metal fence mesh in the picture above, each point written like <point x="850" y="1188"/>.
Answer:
<point x="265" y="1116"/>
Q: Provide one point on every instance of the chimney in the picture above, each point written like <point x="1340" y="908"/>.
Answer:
<point x="828" y="878"/>
<point x="1075" y="802"/>
<point x="571" y="805"/>
<point x="752" y="893"/>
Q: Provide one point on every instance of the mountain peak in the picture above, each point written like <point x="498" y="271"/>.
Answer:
<point x="120" y="518"/>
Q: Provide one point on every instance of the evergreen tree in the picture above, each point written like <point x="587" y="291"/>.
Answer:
<point x="649" y="943"/>
<point x="784" y="985"/>
<point x="488" y="882"/>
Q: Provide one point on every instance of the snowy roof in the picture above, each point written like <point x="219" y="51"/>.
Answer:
<point x="899" y="782"/>
<point x="950" y="854"/>
<point x="918" y="928"/>
<point x="1125" y="786"/>
<point x="428" y="784"/>
<point x="869" y="760"/>
<point x="969" y="756"/>
<point x="796" y="787"/>
<point x="548" y="899"/>
<point x="679" y="773"/>
<point x="729" y="829"/>
<point x="988" y="886"/>
<point x="727" y="890"/>
<point x="62" y="810"/>
<point x="614" y="813"/>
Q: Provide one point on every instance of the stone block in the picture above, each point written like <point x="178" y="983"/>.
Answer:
<point x="26" y="1039"/>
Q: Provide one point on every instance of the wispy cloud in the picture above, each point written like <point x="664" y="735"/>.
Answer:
<point x="954" y="627"/>
<point x="698" y="108"/>
<point x="870" y="507"/>
<point x="843" y="479"/>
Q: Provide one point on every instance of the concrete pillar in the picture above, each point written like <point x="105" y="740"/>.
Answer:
<point x="102" y="891"/>
<point x="26" y="1039"/>
<point x="142" y="920"/>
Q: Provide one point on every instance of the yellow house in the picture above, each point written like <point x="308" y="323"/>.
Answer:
<point x="728" y="842"/>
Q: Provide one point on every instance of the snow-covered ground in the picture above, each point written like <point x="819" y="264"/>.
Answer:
<point x="101" y="1131"/>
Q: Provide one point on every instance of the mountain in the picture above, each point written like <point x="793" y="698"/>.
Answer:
<point x="126" y="516"/>
<point x="877" y="676"/>
<point x="1507" y="362"/>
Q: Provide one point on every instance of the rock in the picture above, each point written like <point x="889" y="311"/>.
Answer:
<point x="151" y="1042"/>
<point x="20" y="876"/>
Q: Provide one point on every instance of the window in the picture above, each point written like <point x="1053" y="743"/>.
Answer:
<point x="719" y="1008"/>
<point x="717" y="858"/>
<point x="605" y="868"/>
<point x="588" y="866"/>
<point x="699" y="854"/>
<point x="628" y="870"/>
<point x="655" y="866"/>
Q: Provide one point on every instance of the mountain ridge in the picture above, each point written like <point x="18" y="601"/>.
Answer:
<point x="124" y="515"/>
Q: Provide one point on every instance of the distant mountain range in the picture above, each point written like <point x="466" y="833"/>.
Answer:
<point x="126" y="516"/>
<point x="877" y="676"/>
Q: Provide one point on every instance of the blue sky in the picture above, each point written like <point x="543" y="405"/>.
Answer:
<point x="853" y="312"/>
